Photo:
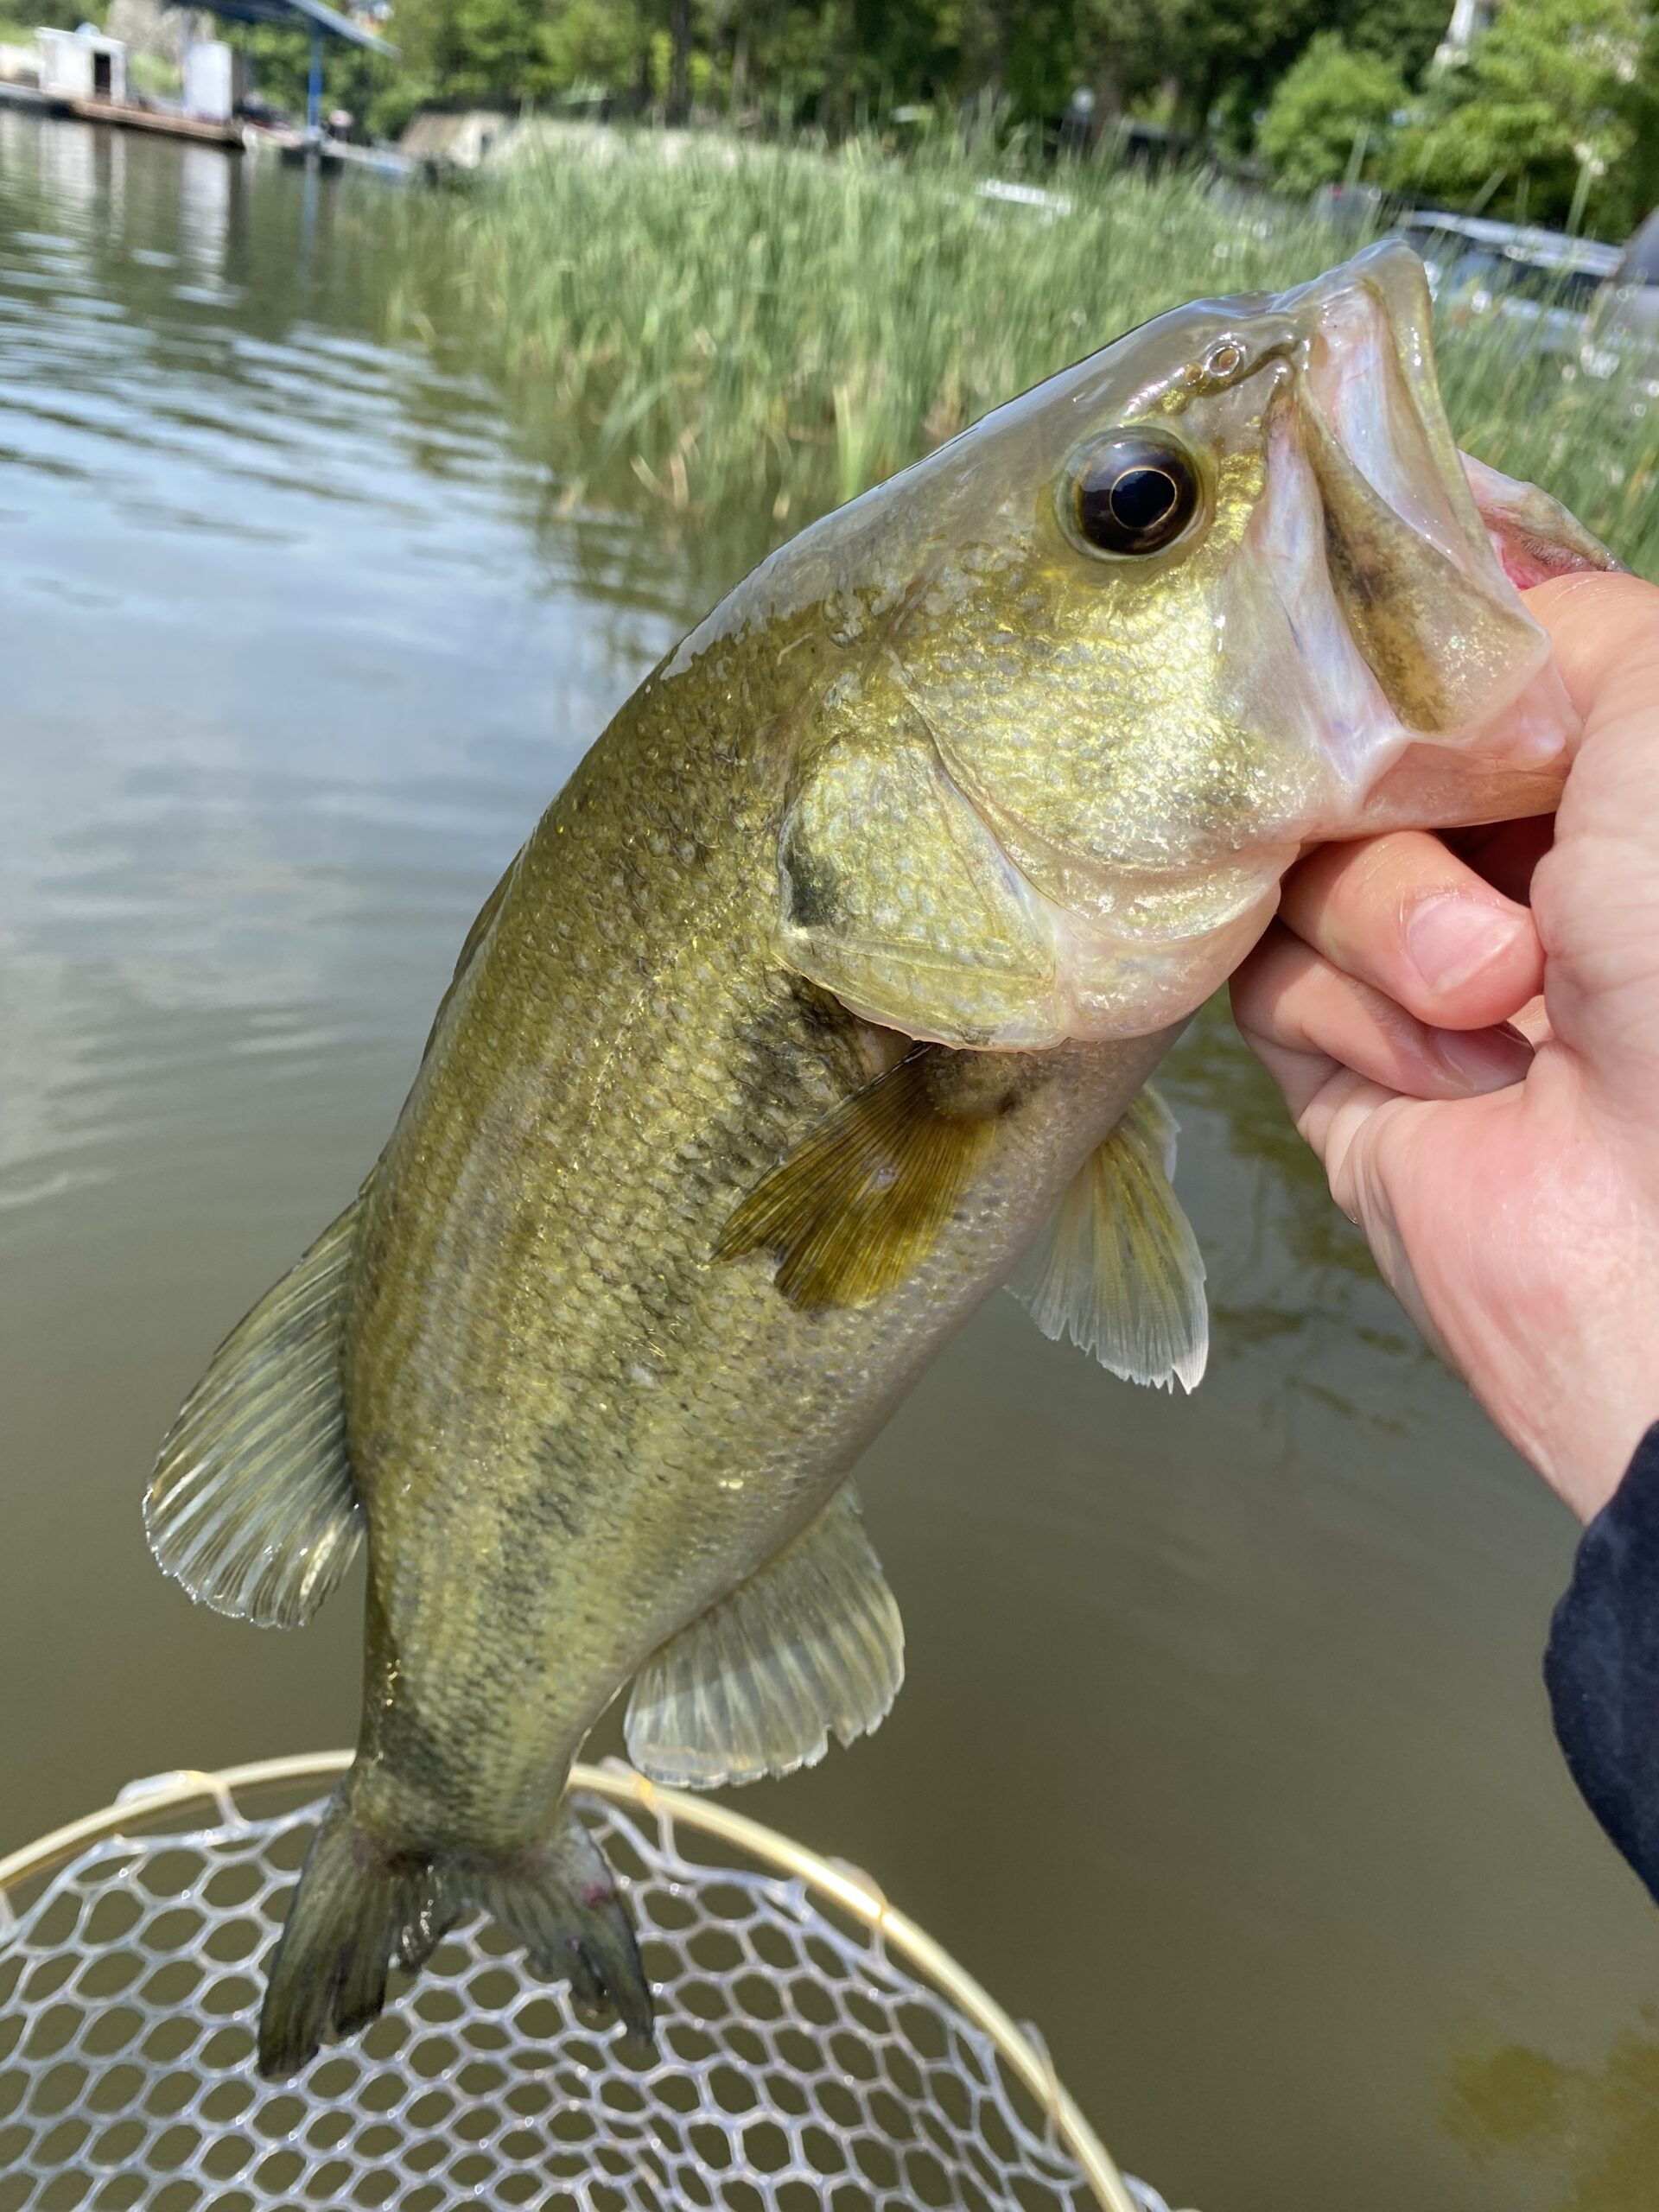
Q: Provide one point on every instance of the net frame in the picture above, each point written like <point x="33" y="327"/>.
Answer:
<point x="154" y="1802"/>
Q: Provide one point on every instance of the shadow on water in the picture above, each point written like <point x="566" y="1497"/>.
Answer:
<point x="1223" y="1753"/>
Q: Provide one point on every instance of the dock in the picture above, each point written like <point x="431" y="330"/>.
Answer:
<point x="171" y="123"/>
<point x="296" y="147"/>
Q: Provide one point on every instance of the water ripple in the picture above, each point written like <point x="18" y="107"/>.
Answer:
<point x="296" y="672"/>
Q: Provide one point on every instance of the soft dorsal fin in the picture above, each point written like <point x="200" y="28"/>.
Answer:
<point x="856" y="1206"/>
<point x="251" y="1505"/>
<point x="1118" y="1269"/>
<point x="810" y="1646"/>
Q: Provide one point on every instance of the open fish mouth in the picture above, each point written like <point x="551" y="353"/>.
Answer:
<point x="1368" y="377"/>
<point x="1398" y="586"/>
<point x="1375" y="381"/>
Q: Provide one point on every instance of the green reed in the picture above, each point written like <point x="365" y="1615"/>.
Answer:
<point x="726" y="329"/>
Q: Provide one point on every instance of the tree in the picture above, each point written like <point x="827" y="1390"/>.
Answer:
<point x="593" y="45"/>
<point x="1328" y="105"/>
<point x="1632" y="185"/>
<point x="491" y="52"/>
<point x="1404" y="32"/>
<point x="1537" y="117"/>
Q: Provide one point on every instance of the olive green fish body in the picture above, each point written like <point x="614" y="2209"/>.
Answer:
<point x="827" y="986"/>
<point x="572" y="1431"/>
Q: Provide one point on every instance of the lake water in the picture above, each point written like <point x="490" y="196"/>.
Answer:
<point x="1223" y="1754"/>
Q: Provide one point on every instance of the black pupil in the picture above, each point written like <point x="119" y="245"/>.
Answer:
<point x="1142" y="497"/>
<point x="1135" y="495"/>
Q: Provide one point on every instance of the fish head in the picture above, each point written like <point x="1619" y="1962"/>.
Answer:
<point x="1222" y="591"/>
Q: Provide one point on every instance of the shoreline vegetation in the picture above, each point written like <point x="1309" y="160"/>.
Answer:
<point x="740" y="336"/>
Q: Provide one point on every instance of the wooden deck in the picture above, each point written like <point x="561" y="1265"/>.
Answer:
<point x="170" y="123"/>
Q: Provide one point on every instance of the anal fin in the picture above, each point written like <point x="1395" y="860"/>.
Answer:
<point x="252" y="1506"/>
<point x="812" y="1646"/>
<point x="1118" y="1269"/>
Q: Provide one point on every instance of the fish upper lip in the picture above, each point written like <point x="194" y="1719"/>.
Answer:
<point x="1386" y="424"/>
<point x="1371" y="540"/>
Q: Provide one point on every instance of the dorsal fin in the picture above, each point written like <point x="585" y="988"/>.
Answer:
<point x="251" y="1505"/>
<point x="857" y="1206"/>
<point x="811" y="1646"/>
<point x="1118" y="1269"/>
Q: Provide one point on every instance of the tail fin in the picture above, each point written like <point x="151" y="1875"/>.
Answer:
<point x="361" y="1903"/>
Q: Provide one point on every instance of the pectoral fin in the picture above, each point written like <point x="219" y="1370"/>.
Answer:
<point x="252" y="1505"/>
<point x="811" y="1646"/>
<point x="855" y="1209"/>
<point x="1118" y="1269"/>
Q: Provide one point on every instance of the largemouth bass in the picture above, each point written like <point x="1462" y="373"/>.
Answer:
<point x="835" y="973"/>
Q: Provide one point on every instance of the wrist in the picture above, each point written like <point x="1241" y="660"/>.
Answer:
<point x="1573" y="1381"/>
<point x="1529" y="1260"/>
<point x="1584" y="1456"/>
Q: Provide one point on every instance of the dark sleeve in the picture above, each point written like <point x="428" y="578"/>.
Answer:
<point x="1602" y="1666"/>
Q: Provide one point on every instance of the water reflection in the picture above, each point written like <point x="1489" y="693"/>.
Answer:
<point x="1294" y="1279"/>
<point x="1593" y="2128"/>
<point x="1223" y="1753"/>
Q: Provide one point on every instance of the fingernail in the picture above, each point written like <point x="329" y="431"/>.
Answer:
<point x="1483" y="1059"/>
<point x="1451" y="939"/>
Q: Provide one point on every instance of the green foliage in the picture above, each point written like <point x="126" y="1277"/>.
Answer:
<point x="476" y="52"/>
<point x="153" y="77"/>
<point x="1298" y="80"/>
<point x="593" y="43"/>
<point x="1632" y="188"/>
<point x="743" y="336"/>
<point x="279" y="64"/>
<point x="1404" y="32"/>
<point x="844" y="63"/>
<point x="1542" y="95"/>
<point x="1329" y="106"/>
<point x="62" y="15"/>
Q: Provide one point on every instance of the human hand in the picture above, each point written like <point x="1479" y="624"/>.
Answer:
<point x="1506" y="1176"/>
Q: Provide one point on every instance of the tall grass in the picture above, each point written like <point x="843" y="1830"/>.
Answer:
<point x="727" y="329"/>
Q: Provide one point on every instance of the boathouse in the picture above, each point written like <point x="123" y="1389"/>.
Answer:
<point x="81" y="65"/>
<point x="323" y="24"/>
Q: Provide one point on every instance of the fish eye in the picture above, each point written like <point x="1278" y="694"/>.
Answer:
<point x="1135" y="494"/>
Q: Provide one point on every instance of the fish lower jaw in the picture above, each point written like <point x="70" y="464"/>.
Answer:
<point x="1512" y="764"/>
<point x="1108" y="989"/>
<point x="1536" y="732"/>
<point x="1102" y="990"/>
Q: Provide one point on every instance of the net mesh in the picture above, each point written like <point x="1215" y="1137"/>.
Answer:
<point x="798" y="2063"/>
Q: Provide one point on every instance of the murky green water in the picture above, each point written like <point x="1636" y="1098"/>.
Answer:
<point x="1223" y="1754"/>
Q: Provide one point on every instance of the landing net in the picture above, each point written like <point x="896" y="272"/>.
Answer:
<point x="815" y="2049"/>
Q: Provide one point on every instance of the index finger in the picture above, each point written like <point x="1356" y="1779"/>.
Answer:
<point x="1403" y="914"/>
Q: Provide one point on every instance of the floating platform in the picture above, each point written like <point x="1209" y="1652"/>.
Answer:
<point x="171" y="122"/>
<point x="14" y="94"/>
<point x="298" y="147"/>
